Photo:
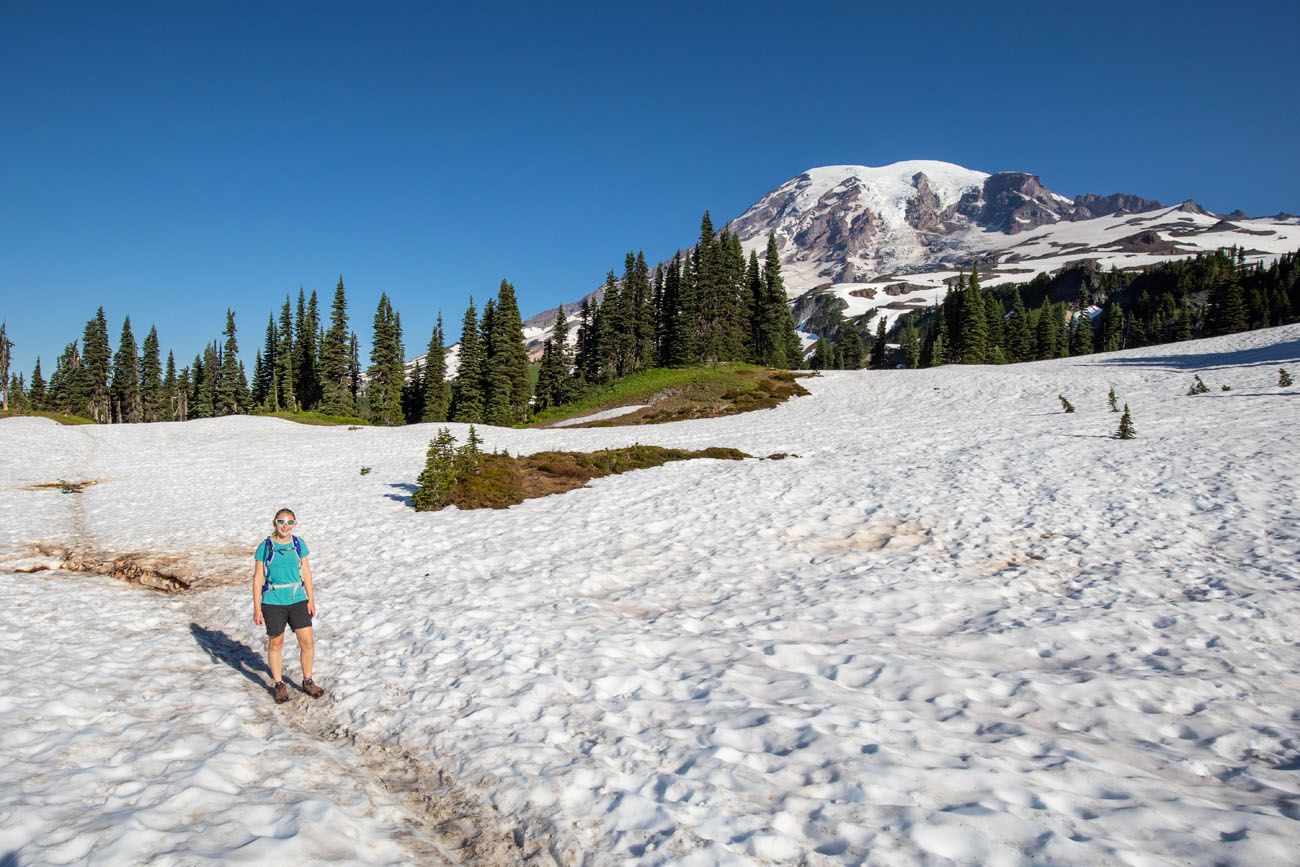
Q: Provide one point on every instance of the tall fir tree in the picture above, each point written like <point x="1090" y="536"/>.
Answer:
<point x="36" y="392"/>
<point x="1019" y="340"/>
<point x="152" y="398"/>
<point x="172" y="402"/>
<point x="509" y="355"/>
<point x="126" y="403"/>
<point x="467" y="390"/>
<point x="286" y="392"/>
<point x="437" y="390"/>
<point x="226" y="394"/>
<point x="387" y="368"/>
<point x="974" y="326"/>
<point x="96" y="361"/>
<point x="878" y="346"/>
<point x="336" y="386"/>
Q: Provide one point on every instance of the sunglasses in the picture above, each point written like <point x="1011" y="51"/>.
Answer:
<point x="284" y="522"/>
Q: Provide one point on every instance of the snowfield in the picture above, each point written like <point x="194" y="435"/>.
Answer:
<point x="954" y="626"/>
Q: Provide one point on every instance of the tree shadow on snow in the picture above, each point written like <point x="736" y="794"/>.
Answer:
<point x="9" y="859"/>
<point x="407" y="500"/>
<point x="234" y="653"/>
<point x="1261" y="355"/>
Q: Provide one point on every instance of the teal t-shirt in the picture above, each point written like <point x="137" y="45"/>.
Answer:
<point x="284" y="569"/>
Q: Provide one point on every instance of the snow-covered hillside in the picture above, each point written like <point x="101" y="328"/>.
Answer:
<point x="955" y="626"/>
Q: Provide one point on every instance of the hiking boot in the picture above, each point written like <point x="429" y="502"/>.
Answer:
<point x="281" y="693"/>
<point x="309" y="686"/>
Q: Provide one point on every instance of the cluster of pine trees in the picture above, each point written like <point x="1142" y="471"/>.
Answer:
<point x="1083" y="310"/>
<point x="708" y="305"/>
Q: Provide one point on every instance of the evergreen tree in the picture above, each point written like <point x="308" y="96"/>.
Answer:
<point x="286" y="392"/>
<point x="336" y="385"/>
<point x="1198" y="386"/>
<point x="850" y="349"/>
<point x="507" y="362"/>
<point x="1081" y="339"/>
<point x="939" y="350"/>
<point x="96" y="361"/>
<point x="643" y="315"/>
<point x="554" y="378"/>
<point x="1019" y="340"/>
<point x="354" y="370"/>
<point x="1113" y="328"/>
<point x="1283" y="378"/>
<point x="413" y="395"/>
<point x="1065" y="404"/>
<point x="878" y="347"/>
<point x="1126" y="430"/>
<point x="467" y="392"/>
<point x="18" y="398"/>
<point x="910" y="340"/>
<point x="67" y="385"/>
<point x="202" y="391"/>
<point x="152" y="398"/>
<point x="36" y="393"/>
<point x="822" y="355"/>
<point x="305" y="374"/>
<point x="387" y="368"/>
<point x="181" y="410"/>
<point x="126" y="401"/>
<point x="1228" y="313"/>
<point x="438" y="477"/>
<point x="1112" y="400"/>
<point x="974" y="328"/>
<point x="437" y="390"/>
<point x="226" y="394"/>
<point x="172" y="393"/>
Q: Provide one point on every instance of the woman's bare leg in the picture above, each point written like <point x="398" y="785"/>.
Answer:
<point x="306" y="649"/>
<point x="275" y="656"/>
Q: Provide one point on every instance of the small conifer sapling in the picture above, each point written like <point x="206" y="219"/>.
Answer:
<point x="1283" y="378"/>
<point x="1065" y="404"/>
<point x="1225" y="387"/>
<point x="1114" y="405"/>
<point x="1198" y="386"/>
<point x="1126" y="430"/>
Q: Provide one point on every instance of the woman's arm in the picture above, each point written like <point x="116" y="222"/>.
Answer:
<point x="306" y="582"/>
<point x="257" y="592"/>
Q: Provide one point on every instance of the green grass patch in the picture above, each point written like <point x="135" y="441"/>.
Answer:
<point x="318" y="418"/>
<point x="502" y="481"/>
<point x="60" y="417"/>
<point x="674" y="394"/>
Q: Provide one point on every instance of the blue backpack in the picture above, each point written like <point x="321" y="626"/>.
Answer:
<point x="266" y="566"/>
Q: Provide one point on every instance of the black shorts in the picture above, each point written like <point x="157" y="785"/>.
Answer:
<point x="276" y="616"/>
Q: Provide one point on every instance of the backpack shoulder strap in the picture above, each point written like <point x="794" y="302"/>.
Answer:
<point x="297" y="547"/>
<point x="268" y="551"/>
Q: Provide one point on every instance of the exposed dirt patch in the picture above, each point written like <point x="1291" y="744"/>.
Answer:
<point x="64" y="485"/>
<point x="165" y="572"/>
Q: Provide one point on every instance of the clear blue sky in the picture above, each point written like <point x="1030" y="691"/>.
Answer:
<point x="170" y="160"/>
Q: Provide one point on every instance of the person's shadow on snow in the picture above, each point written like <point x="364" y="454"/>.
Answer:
<point x="234" y="653"/>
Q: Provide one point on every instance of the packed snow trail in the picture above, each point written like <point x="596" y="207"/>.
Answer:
<point x="124" y="744"/>
<point x="960" y="626"/>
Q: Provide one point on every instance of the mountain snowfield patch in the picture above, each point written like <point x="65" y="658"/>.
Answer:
<point x="963" y="625"/>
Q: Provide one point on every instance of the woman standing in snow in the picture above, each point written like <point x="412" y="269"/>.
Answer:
<point x="283" y="594"/>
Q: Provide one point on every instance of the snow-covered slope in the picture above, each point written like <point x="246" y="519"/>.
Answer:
<point x="958" y="627"/>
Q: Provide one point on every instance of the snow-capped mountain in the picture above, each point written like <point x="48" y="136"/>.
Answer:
<point x="844" y="224"/>
<point x="896" y="236"/>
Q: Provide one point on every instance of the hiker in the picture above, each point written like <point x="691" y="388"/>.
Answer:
<point x="283" y="594"/>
